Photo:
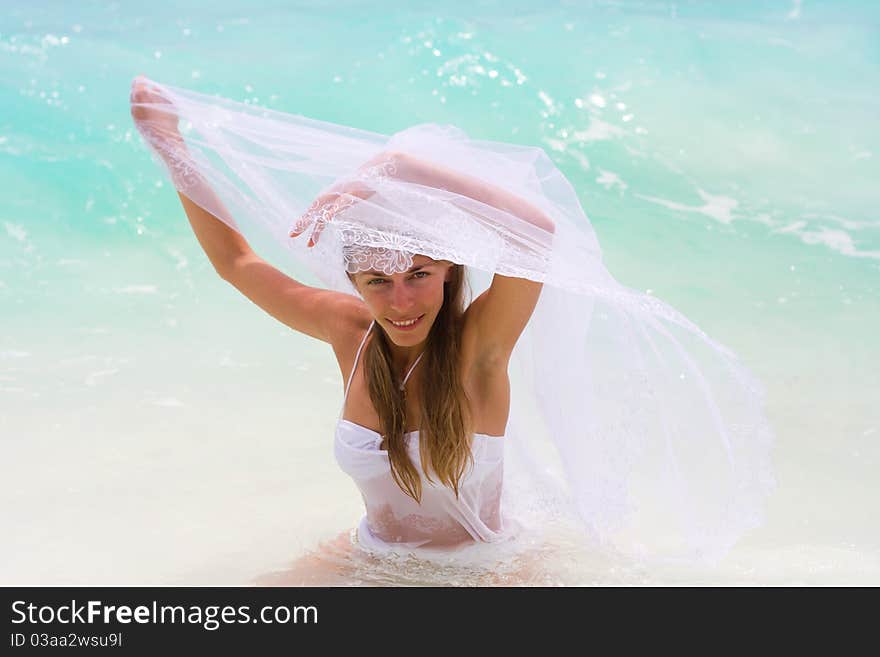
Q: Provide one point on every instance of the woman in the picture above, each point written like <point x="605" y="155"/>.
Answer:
<point x="417" y="423"/>
<point x="626" y="415"/>
<point x="435" y="374"/>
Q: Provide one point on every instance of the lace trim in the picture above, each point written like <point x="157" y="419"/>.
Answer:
<point x="379" y="172"/>
<point x="173" y="153"/>
<point x="366" y="249"/>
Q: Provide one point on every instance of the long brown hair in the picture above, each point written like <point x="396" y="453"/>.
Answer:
<point x="445" y="430"/>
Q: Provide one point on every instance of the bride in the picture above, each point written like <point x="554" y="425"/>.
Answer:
<point x="427" y="409"/>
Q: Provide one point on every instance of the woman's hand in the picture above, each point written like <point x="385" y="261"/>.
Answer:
<point x="154" y="115"/>
<point x="343" y="195"/>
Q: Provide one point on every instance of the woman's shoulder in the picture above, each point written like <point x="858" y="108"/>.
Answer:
<point x="353" y="321"/>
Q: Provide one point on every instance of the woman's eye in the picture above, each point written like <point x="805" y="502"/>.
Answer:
<point x="418" y="274"/>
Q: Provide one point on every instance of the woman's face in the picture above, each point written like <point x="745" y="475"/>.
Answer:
<point x="397" y="299"/>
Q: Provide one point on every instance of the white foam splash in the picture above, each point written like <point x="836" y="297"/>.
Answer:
<point x="136" y="289"/>
<point x="598" y="130"/>
<point x="719" y="207"/>
<point x="94" y="378"/>
<point x="608" y="180"/>
<point x="849" y="224"/>
<point x="838" y="240"/>
<point x="12" y="353"/>
<point x="15" y="231"/>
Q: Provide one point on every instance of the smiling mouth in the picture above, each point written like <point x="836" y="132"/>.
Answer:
<point x="407" y="324"/>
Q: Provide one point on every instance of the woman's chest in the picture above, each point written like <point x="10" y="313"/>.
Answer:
<point x="487" y="392"/>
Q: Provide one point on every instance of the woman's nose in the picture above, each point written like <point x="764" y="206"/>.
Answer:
<point x="401" y="298"/>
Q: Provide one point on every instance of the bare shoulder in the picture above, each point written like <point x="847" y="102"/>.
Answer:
<point x="353" y="320"/>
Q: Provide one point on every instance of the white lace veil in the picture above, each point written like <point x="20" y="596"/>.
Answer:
<point x="624" y="414"/>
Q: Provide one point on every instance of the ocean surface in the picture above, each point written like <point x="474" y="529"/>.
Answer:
<point x="157" y="428"/>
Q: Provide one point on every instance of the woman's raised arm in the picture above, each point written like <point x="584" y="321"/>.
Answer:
<point x="156" y="118"/>
<point x="323" y="314"/>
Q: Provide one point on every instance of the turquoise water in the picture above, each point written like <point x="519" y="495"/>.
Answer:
<point x="157" y="428"/>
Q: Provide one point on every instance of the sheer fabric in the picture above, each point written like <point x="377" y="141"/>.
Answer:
<point x="624" y="413"/>
<point x="394" y="520"/>
<point x="440" y="520"/>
